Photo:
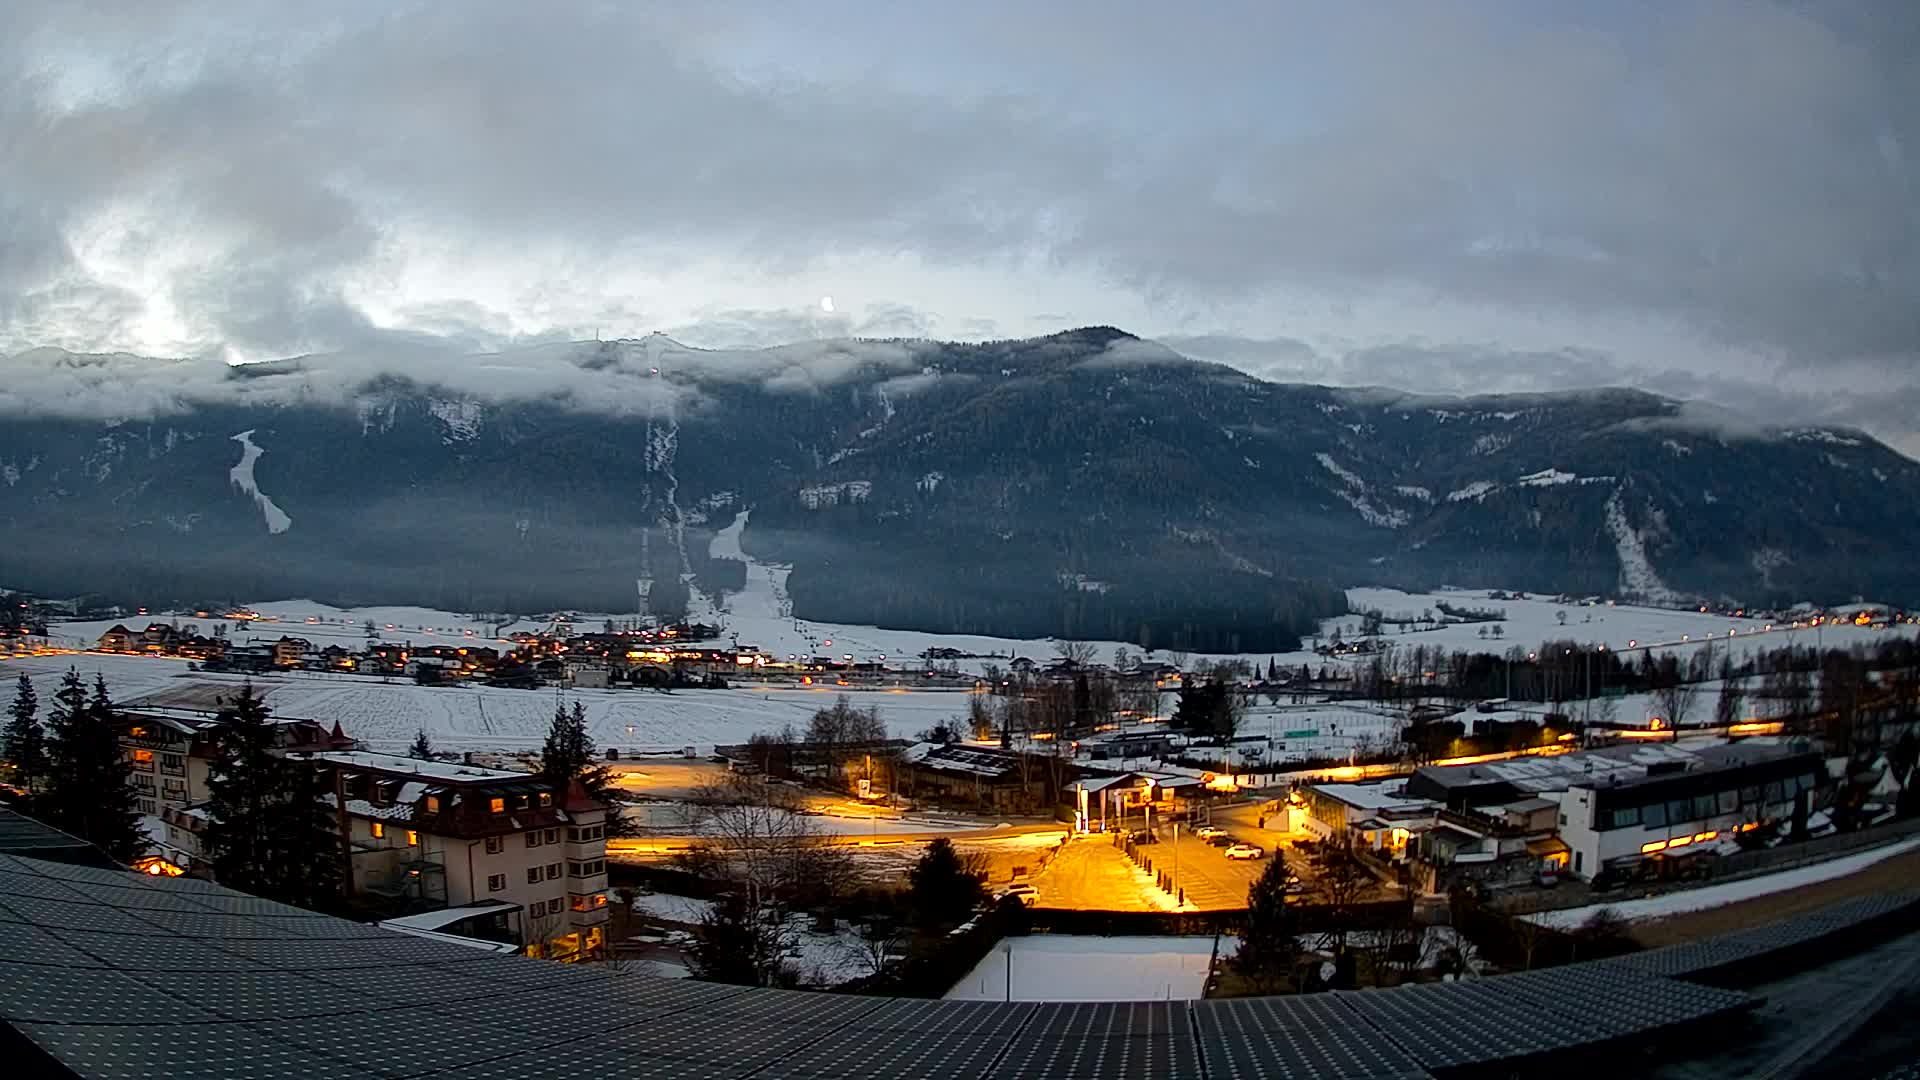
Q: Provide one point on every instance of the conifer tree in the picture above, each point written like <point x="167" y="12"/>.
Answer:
<point x="23" y="744"/>
<point x="86" y="791"/>
<point x="268" y="832"/>
<point x="569" y="754"/>
<point x="421" y="748"/>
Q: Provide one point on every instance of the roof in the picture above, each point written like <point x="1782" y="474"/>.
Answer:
<point x="445" y="917"/>
<point x="1614" y="765"/>
<point x="1372" y="796"/>
<point x="181" y="977"/>
<point x="442" y="772"/>
<point x="22" y="835"/>
<point x="1528" y="806"/>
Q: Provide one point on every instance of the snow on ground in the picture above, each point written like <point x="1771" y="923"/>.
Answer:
<point x="386" y="713"/>
<point x="1732" y="892"/>
<point x="1063" y="967"/>
<point x="671" y="908"/>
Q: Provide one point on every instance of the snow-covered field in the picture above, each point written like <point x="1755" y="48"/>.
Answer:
<point x="1062" y="967"/>
<point x="1732" y="892"/>
<point x="387" y="713"/>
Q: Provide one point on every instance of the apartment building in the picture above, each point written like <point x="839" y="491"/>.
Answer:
<point x="432" y="836"/>
<point x="168" y="752"/>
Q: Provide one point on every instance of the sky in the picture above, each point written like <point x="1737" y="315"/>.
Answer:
<point x="1714" y="201"/>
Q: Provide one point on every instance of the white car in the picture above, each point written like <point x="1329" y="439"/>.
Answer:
<point x="1208" y="832"/>
<point x="1026" y="894"/>
<point x="1245" y="851"/>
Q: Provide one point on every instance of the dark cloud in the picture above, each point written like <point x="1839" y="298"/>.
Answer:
<point x="1717" y="196"/>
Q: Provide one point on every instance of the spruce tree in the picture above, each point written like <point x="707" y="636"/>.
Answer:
<point x="569" y="754"/>
<point x="268" y="832"/>
<point x="87" y="792"/>
<point x="1268" y="941"/>
<point x="421" y="748"/>
<point x="23" y="744"/>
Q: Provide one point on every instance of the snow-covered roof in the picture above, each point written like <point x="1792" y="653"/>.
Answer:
<point x="445" y="917"/>
<point x="439" y="771"/>
<point x="1372" y="796"/>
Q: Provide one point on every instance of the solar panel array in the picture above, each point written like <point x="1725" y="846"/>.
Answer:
<point x="120" y="975"/>
<point x="1700" y="959"/>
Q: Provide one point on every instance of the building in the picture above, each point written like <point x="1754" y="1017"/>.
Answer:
<point x="291" y="652"/>
<point x="979" y="778"/>
<point x="1103" y="803"/>
<point x="117" y="639"/>
<point x="168" y="752"/>
<point x="431" y="835"/>
<point x="1619" y="806"/>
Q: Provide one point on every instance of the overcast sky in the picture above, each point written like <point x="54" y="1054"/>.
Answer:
<point x="1713" y="200"/>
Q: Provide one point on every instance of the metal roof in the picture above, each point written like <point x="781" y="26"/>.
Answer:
<point x="111" y="973"/>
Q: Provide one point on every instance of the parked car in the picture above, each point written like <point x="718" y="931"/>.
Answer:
<point x="1026" y="894"/>
<point x="1222" y="840"/>
<point x="1141" y="836"/>
<point x="1295" y="886"/>
<point x="1246" y="851"/>
<point x="1208" y="832"/>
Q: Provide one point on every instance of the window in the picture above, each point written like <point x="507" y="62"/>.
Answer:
<point x="582" y="834"/>
<point x="173" y="763"/>
<point x="413" y="838"/>
<point x="546" y="798"/>
<point x="555" y="906"/>
<point x="143" y="759"/>
<point x="1750" y="796"/>
<point x="537" y="909"/>
<point x="599" y="899"/>
<point x="521" y="802"/>
<point x="1727" y="801"/>
<point x="379" y="831"/>
<point x="144" y="783"/>
<point x="496" y="882"/>
<point x="497" y="805"/>
<point x="553" y="870"/>
<point x="533" y="839"/>
<point x="1578" y="858"/>
<point x="579" y="902"/>
<point x="1703" y="806"/>
<point x="1678" y="810"/>
<point x="1563" y="820"/>
<point x="1655" y="816"/>
<point x="1624" y="817"/>
<point x="433" y="804"/>
<point x="552" y="836"/>
<point x="585" y="867"/>
<point x="496" y="844"/>
<point x="533" y="876"/>
<point x="145" y="805"/>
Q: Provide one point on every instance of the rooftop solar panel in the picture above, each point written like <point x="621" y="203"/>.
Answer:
<point x="1084" y="1040"/>
<point x="54" y="995"/>
<point x="1276" y="1038"/>
<point x="229" y="1051"/>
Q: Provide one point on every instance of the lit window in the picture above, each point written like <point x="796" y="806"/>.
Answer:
<point x="143" y="757"/>
<point x="579" y="902"/>
<point x="546" y="798"/>
<point x="413" y="838"/>
<point x="497" y="805"/>
<point x="137" y="731"/>
<point x="379" y="830"/>
<point x="433" y="804"/>
<point x="599" y="899"/>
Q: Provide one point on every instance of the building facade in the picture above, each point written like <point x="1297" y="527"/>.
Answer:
<point x="431" y="835"/>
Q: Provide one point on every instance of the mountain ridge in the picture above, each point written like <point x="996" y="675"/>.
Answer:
<point x="974" y="487"/>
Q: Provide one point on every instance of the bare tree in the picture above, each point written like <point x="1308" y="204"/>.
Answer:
<point x="876" y="944"/>
<point x="1122" y="659"/>
<point x="1675" y="702"/>
<point x="1077" y="653"/>
<point x="1178" y="658"/>
<point x="776" y="859"/>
